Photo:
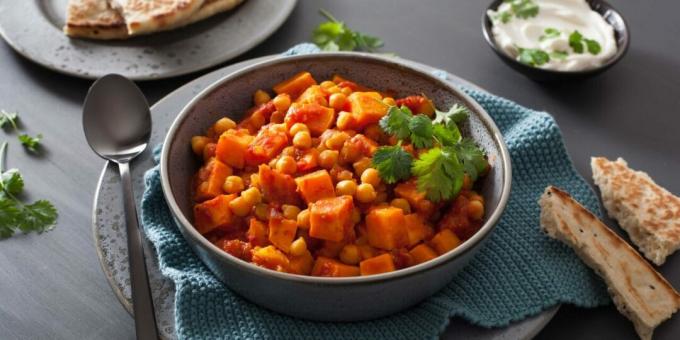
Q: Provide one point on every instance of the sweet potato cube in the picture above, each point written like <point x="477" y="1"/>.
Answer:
<point x="417" y="105"/>
<point x="257" y="233"/>
<point x="270" y="257"/>
<point x="422" y="253"/>
<point x="282" y="232"/>
<point x="386" y="228"/>
<point x="318" y="118"/>
<point x="330" y="218"/>
<point x="331" y="268"/>
<point x="268" y="143"/>
<point x="277" y="187"/>
<point x="444" y="241"/>
<point x="376" y="265"/>
<point x="215" y="173"/>
<point x="213" y="213"/>
<point x="231" y="147"/>
<point x="295" y="85"/>
<point x="367" y="108"/>
<point x="314" y="94"/>
<point x="418" y="230"/>
<point x="315" y="186"/>
<point x="302" y="264"/>
<point x="409" y="191"/>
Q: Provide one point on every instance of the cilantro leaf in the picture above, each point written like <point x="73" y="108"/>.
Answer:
<point x="421" y="131"/>
<point x="440" y="174"/>
<point x="8" y="214"/>
<point x="524" y="9"/>
<point x="504" y="16"/>
<point x="533" y="56"/>
<point x="457" y="113"/>
<point x="446" y="135"/>
<point x="576" y="42"/>
<point x="393" y="163"/>
<point x="8" y="118"/>
<point x="334" y="35"/>
<point x="471" y="156"/>
<point x="30" y="143"/>
<point x="39" y="216"/>
<point x="593" y="46"/>
<point x="550" y="33"/>
<point x="396" y="122"/>
<point x="327" y="31"/>
<point x="367" y="42"/>
<point x="11" y="182"/>
<point x="558" y="55"/>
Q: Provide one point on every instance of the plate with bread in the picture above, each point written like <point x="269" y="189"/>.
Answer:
<point x="142" y="40"/>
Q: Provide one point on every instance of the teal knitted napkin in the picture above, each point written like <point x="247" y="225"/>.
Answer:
<point x="519" y="272"/>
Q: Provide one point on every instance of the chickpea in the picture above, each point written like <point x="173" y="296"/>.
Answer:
<point x="240" y="207"/>
<point x="262" y="211"/>
<point x="476" y="197"/>
<point x="476" y="210"/>
<point x="346" y="187"/>
<point x="198" y="143"/>
<point x="371" y="176"/>
<point x="327" y="84"/>
<point x="350" y="254"/>
<point x="277" y="117"/>
<point x="233" y="185"/>
<point x="336" y="141"/>
<point x="254" y="180"/>
<point x="389" y="101"/>
<point x="302" y="140"/>
<point x="337" y="101"/>
<point x="346" y="91"/>
<point x="282" y="102"/>
<point x="288" y="151"/>
<point x="298" y="247"/>
<point x="303" y="219"/>
<point x="373" y="132"/>
<point x="333" y="89"/>
<point x="286" y="165"/>
<point x="290" y="212"/>
<point x="260" y="97"/>
<point x="223" y="124"/>
<point x="298" y="127"/>
<point x="328" y="158"/>
<point x="252" y="196"/>
<point x="365" y="193"/>
<point x="361" y="165"/>
<point x="401" y="204"/>
<point x="343" y="175"/>
<point x="344" y="121"/>
<point x="272" y="163"/>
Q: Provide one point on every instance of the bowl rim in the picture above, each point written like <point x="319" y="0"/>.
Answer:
<point x="621" y="50"/>
<point x="189" y="231"/>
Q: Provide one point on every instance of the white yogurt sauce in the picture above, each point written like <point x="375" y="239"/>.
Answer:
<point x="566" y="16"/>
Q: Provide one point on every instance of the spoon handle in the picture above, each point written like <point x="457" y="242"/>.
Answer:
<point x="142" y="303"/>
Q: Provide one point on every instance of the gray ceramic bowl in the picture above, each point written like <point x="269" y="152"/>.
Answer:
<point x="317" y="298"/>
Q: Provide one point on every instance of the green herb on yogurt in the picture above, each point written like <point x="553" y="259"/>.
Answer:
<point x="533" y="56"/>
<point x="559" y="55"/>
<point x="577" y="43"/>
<point x="549" y="33"/>
<point x="334" y="35"/>
<point x="523" y="9"/>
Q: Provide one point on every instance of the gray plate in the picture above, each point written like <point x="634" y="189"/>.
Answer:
<point x="111" y="242"/>
<point x="33" y="29"/>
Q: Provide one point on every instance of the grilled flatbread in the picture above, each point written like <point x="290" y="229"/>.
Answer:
<point x="639" y="292"/>
<point x="649" y="213"/>
<point x="145" y="16"/>
<point x="96" y="19"/>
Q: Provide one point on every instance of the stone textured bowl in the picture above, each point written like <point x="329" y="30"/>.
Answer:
<point x="318" y="298"/>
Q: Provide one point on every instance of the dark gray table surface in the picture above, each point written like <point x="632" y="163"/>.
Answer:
<point x="51" y="285"/>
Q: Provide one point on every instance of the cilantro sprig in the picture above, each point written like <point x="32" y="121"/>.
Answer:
<point x="334" y="35"/>
<point x="16" y="215"/>
<point x="523" y="9"/>
<point x="577" y="42"/>
<point x="549" y="33"/>
<point x="10" y="119"/>
<point x="439" y="170"/>
<point x="532" y="56"/>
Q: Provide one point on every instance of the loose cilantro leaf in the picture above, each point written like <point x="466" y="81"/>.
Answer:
<point x="550" y="33"/>
<point x="593" y="46"/>
<point x="524" y="9"/>
<point x="457" y="113"/>
<point x="576" y="42"/>
<point x="421" y="131"/>
<point x="30" y="143"/>
<point x="446" y="135"/>
<point x="8" y="214"/>
<point x="440" y="174"/>
<point x="39" y="216"/>
<point x="334" y="35"/>
<point x="396" y="122"/>
<point x="471" y="156"/>
<point x="533" y="56"/>
<point x="393" y="163"/>
<point x="8" y="118"/>
<point x="558" y="55"/>
<point x="11" y="182"/>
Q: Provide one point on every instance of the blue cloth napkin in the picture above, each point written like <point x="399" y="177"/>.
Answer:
<point x="519" y="272"/>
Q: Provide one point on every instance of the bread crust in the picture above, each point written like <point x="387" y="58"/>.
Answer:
<point x="647" y="212"/>
<point x="639" y="292"/>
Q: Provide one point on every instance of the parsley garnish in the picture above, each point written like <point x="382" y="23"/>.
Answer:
<point x="576" y="42"/>
<point x="30" y="143"/>
<point x="523" y="9"/>
<point x="440" y="173"/>
<point x="533" y="56"/>
<point x="457" y="113"/>
<point x="15" y="215"/>
<point x="8" y="118"/>
<point x="421" y="131"/>
<point x="559" y="55"/>
<point x="393" y="163"/>
<point x="334" y="35"/>
<point x="549" y="33"/>
<point x="396" y="122"/>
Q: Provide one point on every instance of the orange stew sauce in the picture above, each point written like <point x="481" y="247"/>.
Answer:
<point x="291" y="187"/>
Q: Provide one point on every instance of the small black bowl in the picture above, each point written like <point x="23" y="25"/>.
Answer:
<point x="610" y="15"/>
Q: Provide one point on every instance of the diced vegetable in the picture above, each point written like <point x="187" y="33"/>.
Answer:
<point x="367" y="108"/>
<point x="302" y="264"/>
<point x="417" y="105"/>
<point x="445" y="241"/>
<point x="282" y="232"/>
<point x="315" y="186"/>
<point x="386" y="228"/>
<point x="422" y="253"/>
<point x="277" y="187"/>
<point x="213" y="214"/>
<point x="215" y="173"/>
<point x="377" y="265"/>
<point x="308" y="160"/>
<point x="328" y="267"/>
<point x="314" y="94"/>
<point x="330" y="218"/>
<point x="270" y="257"/>
<point x="295" y="85"/>
<point x="418" y="229"/>
<point x="318" y="118"/>
<point x="257" y="233"/>
<point x="268" y="143"/>
<point x="231" y="147"/>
